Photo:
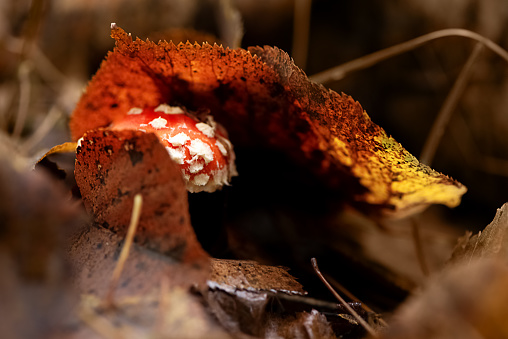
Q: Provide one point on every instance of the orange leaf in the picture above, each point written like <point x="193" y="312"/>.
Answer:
<point x="264" y="99"/>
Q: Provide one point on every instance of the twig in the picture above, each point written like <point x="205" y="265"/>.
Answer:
<point x="365" y="325"/>
<point x="420" y="254"/>
<point x="474" y="248"/>
<point x="351" y="296"/>
<point x="444" y="115"/>
<point x="339" y="72"/>
<point x="24" y="99"/>
<point x="301" y="28"/>
<point x="472" y="154"/>
<point x="45" y="126"/>
<point x="136" y="212"/>
<point x="163" y="305"/>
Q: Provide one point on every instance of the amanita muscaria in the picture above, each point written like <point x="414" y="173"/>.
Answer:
<point x="201" y="148"/>
<point x="263" y="99"/>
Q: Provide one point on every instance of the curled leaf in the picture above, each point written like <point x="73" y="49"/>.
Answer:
<point x="264" y="99"/>
<point x="113" y="166"/>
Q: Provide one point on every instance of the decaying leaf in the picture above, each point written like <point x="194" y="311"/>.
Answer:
<point x="251" y="276"/>
<point x="171" y="313"/>
<point x="263" y="99"/>
<point x="266" y="301"/>
<point x="113" y="166"/>
<point x="94" y="253"/>
<point x="465" y="301"/>
<point x="491" y="242"/>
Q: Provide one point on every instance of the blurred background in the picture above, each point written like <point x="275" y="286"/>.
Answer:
<point x="49" y="49"/>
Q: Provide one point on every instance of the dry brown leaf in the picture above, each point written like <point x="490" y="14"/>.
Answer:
<point x="266" y="100"/>
<point x="35" y="216"/>
<point x="113" y="166"/>
<point x="265" y="301"/>
<point x="250" y="276"/>
<point x="172" y="313"/>
<point x="465" y="301"/>
<point x="489" y="243"/>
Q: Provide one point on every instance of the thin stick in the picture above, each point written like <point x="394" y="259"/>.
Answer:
<point x="339" y="72"/>
<point x="444" y="115"/>
<point x="44" y="128"/>
<point x="136" y="212"/>
<point x="351" y="296"/>
<point x="474" y="248"/>
<point x="420" y="254"/>
<point x="471" y="153"/>
<point x="301" y="28"/>
<point x="24" y="99"/>
<point x="346" y="305"/>
<point x="163" y="305"/>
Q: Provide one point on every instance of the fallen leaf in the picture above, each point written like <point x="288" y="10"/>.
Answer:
<point x="312" y="325"/>
<point x="35" y="218"/>
<point x="489" y="243"/>
<point x="467" y="301"/>
<point x="113" y="166"/>
<point x="266" y="301"/>
<point x="251" y="276"/>
<point x="263" y="99"/>
<point x="94" y="252"/>
<point x="171" y="313"/>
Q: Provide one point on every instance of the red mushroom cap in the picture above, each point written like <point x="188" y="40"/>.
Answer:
<point x="201" y="149"/>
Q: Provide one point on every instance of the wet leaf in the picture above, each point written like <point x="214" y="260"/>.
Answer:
<point x="263" y="99"/>
<point x="113" y="166"/>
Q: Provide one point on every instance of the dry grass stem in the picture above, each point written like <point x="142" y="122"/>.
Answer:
<point x="43" y="130"/>
<point x="301" y="28"/>
<point x="461" y="132"/>
<point x="340" y="72"/>
<point x="24" y="99"/>
<point x="444" y="115"/>
<point x="136" y="213"/>
<point x="420" y="253"/>
<point x="365" y="325"/>
<point x="98" y="324"/>
<point x="351" y="296"/>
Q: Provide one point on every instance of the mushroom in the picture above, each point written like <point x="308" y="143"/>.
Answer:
<point x="200" y="148"/>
